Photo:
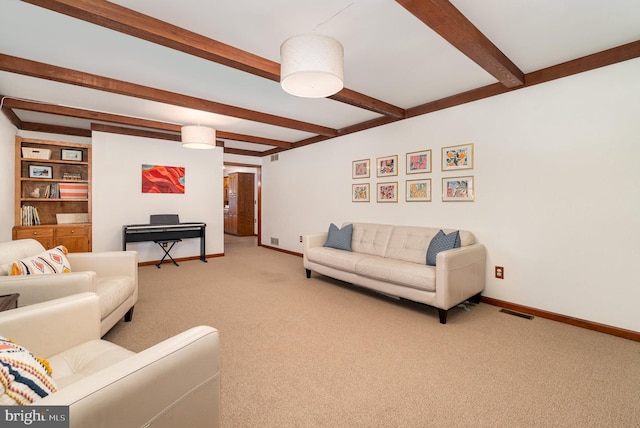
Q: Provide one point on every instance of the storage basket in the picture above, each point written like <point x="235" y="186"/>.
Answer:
<point x="36" y="153"/>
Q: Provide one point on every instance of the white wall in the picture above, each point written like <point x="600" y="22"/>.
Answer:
<point x="7" y="152"/>
<point x="557" y="190"/>
<point x="118" y="199"/>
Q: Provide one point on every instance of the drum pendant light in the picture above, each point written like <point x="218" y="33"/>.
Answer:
<point x="311" y="66"/>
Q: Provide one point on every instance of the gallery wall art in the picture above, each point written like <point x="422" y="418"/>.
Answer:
<point x="162" y="179"/>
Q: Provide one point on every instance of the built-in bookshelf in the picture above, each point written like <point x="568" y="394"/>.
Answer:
<point x="53" y="193"/>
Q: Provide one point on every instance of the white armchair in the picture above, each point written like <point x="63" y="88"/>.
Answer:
<point x="112" y="275"/>
<point x="174" y="383"/>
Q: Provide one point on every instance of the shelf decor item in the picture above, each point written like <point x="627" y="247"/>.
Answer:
<point x="457" y="157"/>
<point x="387" y="192"/>
<point x="361" y="168"/>
<point x="418" y="190"/>
<point x="39" y="171"/>
<point x="458" y="189"/>
<point x="387" y="166"/>
<point x="419" y="162"/>
<point x="360" y="193"/>
<point x="36" y="153"/>
<point x="71" y="155"/>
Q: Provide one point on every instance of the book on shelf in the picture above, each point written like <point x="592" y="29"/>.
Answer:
<point x="30" y="216"/>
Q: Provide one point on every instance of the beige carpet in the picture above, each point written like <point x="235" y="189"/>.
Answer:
<point x="300" y="352"/>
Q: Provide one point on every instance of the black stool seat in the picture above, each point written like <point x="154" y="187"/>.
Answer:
<point x="163" y="244"/>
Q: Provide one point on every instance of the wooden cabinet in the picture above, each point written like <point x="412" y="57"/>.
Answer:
<point x="239" y="218"/>
<point x="53" y="178"/>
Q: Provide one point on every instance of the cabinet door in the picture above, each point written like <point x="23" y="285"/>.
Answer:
<point x="44" y="235"/>
<point x="75" y="238"/>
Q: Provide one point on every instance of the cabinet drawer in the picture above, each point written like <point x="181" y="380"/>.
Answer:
<point x="33" y="232"/>
<point x="66" y="232"/>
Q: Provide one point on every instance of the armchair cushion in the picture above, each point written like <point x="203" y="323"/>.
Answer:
<point x="49" y="261"/>
<point x="24" y="378"/>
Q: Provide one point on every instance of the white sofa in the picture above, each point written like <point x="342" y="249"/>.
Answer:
<point x="392" y="260"/>
<point x="175" y="383"/>
<point x="113" y="275"/>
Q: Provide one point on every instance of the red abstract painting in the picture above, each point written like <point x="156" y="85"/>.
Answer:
<point x="162" y="179"/>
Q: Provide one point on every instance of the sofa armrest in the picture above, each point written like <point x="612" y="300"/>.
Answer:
<point x="311" y="241"/>
<point x="460" y="274"/>
<point x="174" y="383"/>
<point x="40" y="288"/>
<point x="51" y="327"/>
<point x="106" y="263"/>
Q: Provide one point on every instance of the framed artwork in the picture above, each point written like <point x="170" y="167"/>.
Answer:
<point x="361" y="168"/>
<point x="458" y="189"/>
<point x="360" y="192"/>
<point x="38" y="171"/>
<point x="457" y="157"/>
<point x="162" y="179"/>
<point x="387" y="192"/>
<point x="419" y="162"/>
<point x="71" y="155"/>
<point x="418" y="190"/>
<point x="387" y="166"/>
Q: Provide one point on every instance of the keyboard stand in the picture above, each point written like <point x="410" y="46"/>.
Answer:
<point x="163" y="244"/>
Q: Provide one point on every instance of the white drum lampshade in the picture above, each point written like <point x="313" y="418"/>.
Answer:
<point x="311" y="66"/>
<point x="198" y="137"/>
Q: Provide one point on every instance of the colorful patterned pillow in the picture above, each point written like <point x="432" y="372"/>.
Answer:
<point x="24" y="378"/>
<point x="50" y="261"/>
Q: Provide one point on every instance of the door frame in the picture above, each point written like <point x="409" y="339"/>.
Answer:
<point x="258" y="169"/>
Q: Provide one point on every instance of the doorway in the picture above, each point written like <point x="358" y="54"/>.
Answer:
<point x="230" y="168"/>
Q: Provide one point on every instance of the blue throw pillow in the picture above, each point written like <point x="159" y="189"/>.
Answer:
<point x="339" y="239"/>
<point x="442" y="242"/>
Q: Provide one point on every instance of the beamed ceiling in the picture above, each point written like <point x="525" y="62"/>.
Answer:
<point x="145" y="67"/>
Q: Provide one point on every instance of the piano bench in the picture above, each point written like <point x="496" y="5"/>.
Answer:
<point x="163" y="244"/>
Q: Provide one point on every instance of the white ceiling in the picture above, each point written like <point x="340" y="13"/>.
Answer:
<point x="390" y="55"/>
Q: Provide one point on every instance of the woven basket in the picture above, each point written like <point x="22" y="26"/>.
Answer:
<point x="34" y="153"/>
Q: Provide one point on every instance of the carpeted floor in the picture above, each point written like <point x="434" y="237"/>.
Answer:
<point x="300" y="352"/>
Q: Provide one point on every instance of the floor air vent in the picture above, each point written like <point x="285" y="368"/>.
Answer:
<point x="516" y="314"/>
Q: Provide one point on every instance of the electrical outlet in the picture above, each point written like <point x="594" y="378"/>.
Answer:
<point x="300" y="238"/>
<point x="499" y="272"/>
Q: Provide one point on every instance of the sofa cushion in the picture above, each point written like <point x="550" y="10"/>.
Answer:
<point x="24" y="378"/>
<point x="340" y="239"/>
<point x="85" y="359"/>
<point x="442" y="242"/>
<point x="337" y="259"/>
<point x="47" y="262"/>
<point x="370" y="238"/>
<point x="409" y="274"/>
<point x="410" y="243"/>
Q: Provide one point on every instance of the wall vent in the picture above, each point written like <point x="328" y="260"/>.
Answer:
<point x="275" y="241"/>
<point x="517" y="314"/>
<point x="275" y="157"/>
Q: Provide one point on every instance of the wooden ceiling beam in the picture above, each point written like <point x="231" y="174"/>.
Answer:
<point x="122" y="130"/>
<point x="13" y="118"/>
<point x="88" y="114"/>
<point x="443" y="18"/>
<point x="55" y="129"/>
<point x="72" y="77"/>
<point x="11" y="103"/>
<point x="136" y="24"/>
<point x="579" y="65"/>
<point x="163" y="136"/>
